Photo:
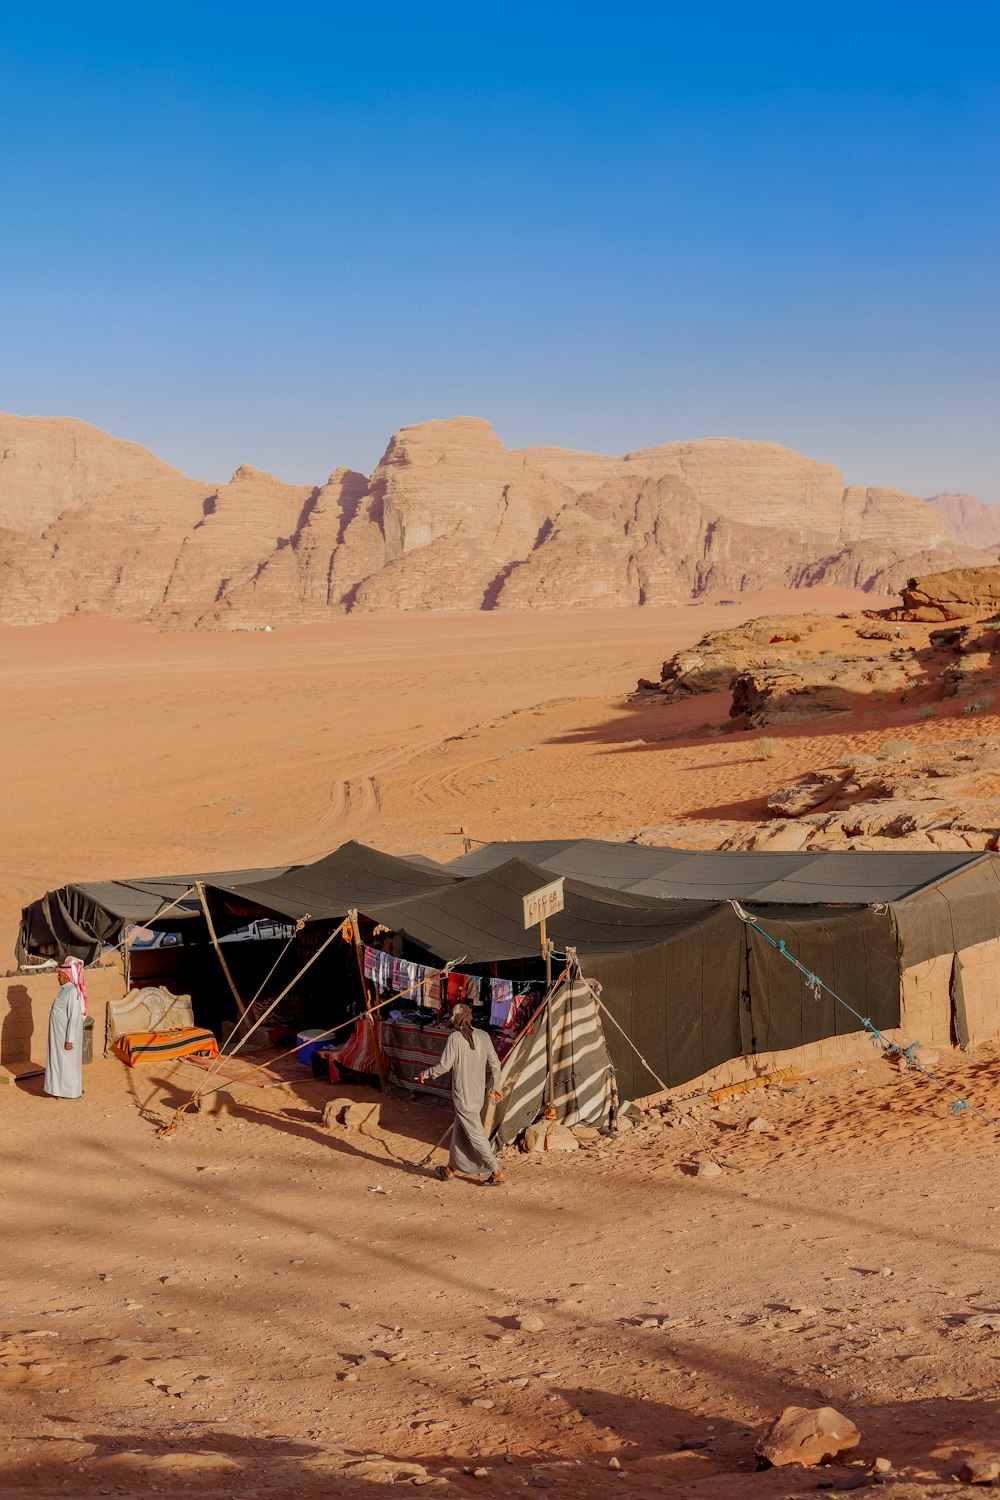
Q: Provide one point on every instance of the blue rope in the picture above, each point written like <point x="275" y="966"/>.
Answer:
<point x="878" y="1039"/>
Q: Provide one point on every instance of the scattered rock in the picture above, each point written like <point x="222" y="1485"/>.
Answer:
<point x="811" y="791"/>
<point x="333" y="1112"/>
<point x="707" y="1169"/>
<point x="531" y="1323"/>
<point x="549" y="1137"/>
<point x="350" y="1114"/>
<point x="983" y="1320"/>
<point x="219" y="1102"/>
<point x="759" y="1126"/>
<point x="983" y="1469"/>
<point x="804" y="1436"/>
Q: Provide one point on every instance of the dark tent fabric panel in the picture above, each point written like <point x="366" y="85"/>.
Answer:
<point x="352" y="876"/>
<point x="860" y="876"/>
<point x="957" y="913"/>
<point x="79" y="918"/>
<point x="959" y="1016"/>
<point x="853" y="953"/>
<point x="842" y="876"/>
<point x="481" y="919"/>
<point x="678" y="1004"/>
<point x="67" y="921"/>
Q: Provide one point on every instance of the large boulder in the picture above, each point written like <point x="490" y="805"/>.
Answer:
<point x="787" y="693"/>
<point x="811" y="791"/>
<point x="956" y="595"/>
<point x="806" y="1436"/>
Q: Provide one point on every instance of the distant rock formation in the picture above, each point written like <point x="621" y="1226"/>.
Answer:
<point x="450" y="519"/>
<point x="971" y="522"/>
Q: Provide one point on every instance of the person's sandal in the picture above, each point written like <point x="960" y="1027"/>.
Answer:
<point x="445" y="1174"/>
<point x="495" y="1181"/>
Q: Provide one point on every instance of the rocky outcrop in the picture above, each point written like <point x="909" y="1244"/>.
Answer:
<point x="935" y="799"/>
<point x="450" y="519"/>
<point x="714" y="664"/>
<point x="960" y="594"/>
<point x="793" y="691"/>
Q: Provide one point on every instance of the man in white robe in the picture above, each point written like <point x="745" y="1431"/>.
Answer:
<point x="469" y="1054"/>
<point x="64" y="1058"/>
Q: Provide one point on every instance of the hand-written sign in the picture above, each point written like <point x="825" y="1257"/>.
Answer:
<point x="544" y="902"/>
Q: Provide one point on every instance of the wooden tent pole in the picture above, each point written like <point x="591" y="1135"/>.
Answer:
<point x="200" y="888"/>
<point x="376" y="1020"/>
<point x="549" y="1069"/>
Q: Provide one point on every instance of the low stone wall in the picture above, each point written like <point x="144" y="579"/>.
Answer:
<point x="981" y="989"/>
<point x="832" y="1052"/>
<point x="925" y="1002"/>
<point x="25" y="1002"/>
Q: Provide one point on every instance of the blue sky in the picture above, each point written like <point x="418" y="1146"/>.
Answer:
<point x="274" y="234"/>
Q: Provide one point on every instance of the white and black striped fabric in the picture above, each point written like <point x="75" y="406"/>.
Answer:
<point x="584" y="1083"/>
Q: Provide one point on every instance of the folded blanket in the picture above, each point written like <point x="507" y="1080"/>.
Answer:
<point x="161" y="1046"/>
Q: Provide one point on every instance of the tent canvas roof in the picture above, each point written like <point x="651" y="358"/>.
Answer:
<point x="78" y="918"/>
<point x="840" y="877"/>
<point x="352" y="876"/>
<point x="481" y="919"/>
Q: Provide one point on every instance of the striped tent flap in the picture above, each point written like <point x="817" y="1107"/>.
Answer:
<point x="584" y="1086"/>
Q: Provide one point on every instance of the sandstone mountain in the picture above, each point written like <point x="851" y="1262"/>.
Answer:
<point x="450" y="519"/>
<point x="969" y="521"/>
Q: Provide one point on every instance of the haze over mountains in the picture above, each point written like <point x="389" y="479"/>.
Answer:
<point x="450" y="519"/>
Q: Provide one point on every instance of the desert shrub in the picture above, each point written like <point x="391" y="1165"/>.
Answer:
<point x="928" y="711"/>
<point x="766" y="749"/>
<point x="851" y="762"/>
<point x="893" y="749"/>
<point x="979" y="705"/>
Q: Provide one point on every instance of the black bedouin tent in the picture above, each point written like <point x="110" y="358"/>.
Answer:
<point x="689" y="984"/>
<point x="81" y="917"/>
<point x="940" y="902"/>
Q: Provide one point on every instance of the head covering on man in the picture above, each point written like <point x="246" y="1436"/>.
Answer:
<point x="71" y="972"/>
<point x="461" y="1019"/>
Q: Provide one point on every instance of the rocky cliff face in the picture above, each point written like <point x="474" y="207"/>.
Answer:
<point x="970" y="521"/>
<point x="450" y="519"/>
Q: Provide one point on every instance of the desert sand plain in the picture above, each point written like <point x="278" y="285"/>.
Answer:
<point x="253" y="1307"/>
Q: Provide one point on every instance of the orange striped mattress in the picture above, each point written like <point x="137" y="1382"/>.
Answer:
<point x="161" y="1046"/>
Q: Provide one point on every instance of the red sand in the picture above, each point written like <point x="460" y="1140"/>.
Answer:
<point x="208" y="1291"/>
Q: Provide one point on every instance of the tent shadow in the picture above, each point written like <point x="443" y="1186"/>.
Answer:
<point x="305" y="1123"/>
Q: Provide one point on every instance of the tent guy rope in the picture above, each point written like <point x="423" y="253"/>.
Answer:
<point x="816" y="987"/>
<point x="232" y="1084"/>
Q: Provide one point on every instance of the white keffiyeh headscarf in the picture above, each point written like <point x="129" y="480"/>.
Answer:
<point x="71" y="972"/>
